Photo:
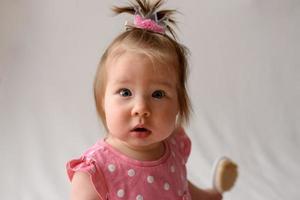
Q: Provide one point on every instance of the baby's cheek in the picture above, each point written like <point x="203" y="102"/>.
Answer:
<point x="171" y="111"/>
<point x="116" y="117"/>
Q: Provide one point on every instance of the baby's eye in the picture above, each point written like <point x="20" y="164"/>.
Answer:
<point x="124" y="92"/>
<point x="158" y="94"/>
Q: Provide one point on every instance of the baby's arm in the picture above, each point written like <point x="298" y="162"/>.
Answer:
<point x="83" y="188"/>
<point x="198" y="193"/>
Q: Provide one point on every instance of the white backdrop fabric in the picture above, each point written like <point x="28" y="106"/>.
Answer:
<point x="244" y="85"/>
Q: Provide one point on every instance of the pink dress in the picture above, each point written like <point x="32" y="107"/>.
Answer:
<point x="117" y="177"/>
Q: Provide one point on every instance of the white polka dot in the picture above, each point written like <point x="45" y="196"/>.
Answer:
<point x="172" y="168"/>
<point x="173" y="154"/>
<point x="131" y="172"/>
<point x="173" y="141"/>
<point x="150" y="179"/>
<point x="166" y="186"/>
<point x="182" y="145"/>
<point x="120" y="193"/>
<point x="180" y="193"/>
<point x="111" y="167"/>
<point x="183" y="177"/>
<point x="139" y="197"/>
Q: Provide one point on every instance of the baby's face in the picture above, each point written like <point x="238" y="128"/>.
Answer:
<point x="140" y="101"/>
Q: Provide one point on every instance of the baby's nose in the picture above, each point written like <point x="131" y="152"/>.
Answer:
<point x="141" y="108"/>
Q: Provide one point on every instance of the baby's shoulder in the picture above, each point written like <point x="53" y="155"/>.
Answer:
<point x="180" y="137"/>
<point x="98" y="154"/>
<point x="181" y="142"/>
<point x="90" y="164"/>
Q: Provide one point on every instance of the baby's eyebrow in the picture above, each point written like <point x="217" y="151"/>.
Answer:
<point x="165" y="83"/>
<point x="122" y="81"/>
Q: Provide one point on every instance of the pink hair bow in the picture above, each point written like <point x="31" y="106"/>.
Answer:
<point x="148" y="24"/>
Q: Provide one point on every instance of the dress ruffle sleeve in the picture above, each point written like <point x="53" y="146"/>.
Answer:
<point x="184" y="143"/>
<point x="88" y="165"/>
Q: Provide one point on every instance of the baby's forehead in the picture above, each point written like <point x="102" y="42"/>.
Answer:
<point x="137" y="60"/>
<point x="156" y="82"/>
<point x="156" y="55"/>
<point x="133" y="67"/>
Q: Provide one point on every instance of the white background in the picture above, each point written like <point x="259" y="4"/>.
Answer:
<point x="244" y="85"/>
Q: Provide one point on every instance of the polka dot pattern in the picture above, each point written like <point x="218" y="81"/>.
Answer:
<point x="173" y="154"/>
<point x="139" y="197"/>
<point x="139" y="180"/>
<point x="173" y="141"/>
<point x="111" y="167"/>
<point x="150" y="179"/>
<point x="173" y="169"/>
<point x="180" y="193"/>
<point x="166" y="186"/>
<point x="131" y="172"/>
<point x="120" y="193"/>
<point x="182" y="145"/>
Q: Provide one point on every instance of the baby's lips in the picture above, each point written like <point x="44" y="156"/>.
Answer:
<point x="140" y="132"/>
<point x="140" y="127"/>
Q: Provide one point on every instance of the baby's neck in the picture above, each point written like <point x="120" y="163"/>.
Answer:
<point x="142" y="154"/>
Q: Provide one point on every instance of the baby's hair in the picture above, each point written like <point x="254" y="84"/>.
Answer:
<point x="150" y="10"/>
<point x="158" y="47"/>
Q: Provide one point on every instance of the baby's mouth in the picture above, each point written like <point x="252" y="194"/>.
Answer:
<point x="140" y="129"/>
<point x="140" y="132"/>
